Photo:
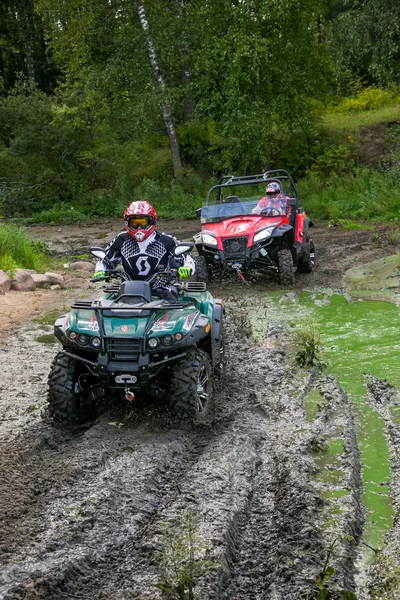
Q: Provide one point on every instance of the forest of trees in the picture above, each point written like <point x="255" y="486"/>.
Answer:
<point x="102" y="99"/>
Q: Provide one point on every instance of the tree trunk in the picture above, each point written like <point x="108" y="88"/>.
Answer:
<point x="25" y="13"/>
<point x="160" y="82"/>
<point x="186" y="72"/>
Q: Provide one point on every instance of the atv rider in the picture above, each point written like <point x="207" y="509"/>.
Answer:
<point x="273" y="200"/>
<point x="143" y="250"/>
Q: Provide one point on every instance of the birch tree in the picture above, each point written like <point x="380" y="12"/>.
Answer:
<point x="162" y="88"/>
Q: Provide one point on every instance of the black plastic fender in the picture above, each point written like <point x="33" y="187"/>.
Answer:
<point x="217" y="330"/>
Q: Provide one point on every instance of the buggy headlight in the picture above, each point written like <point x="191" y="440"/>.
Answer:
<point x="208" y="239"/>
<point x="263" y="234"/>
<point x="83" y="339"/>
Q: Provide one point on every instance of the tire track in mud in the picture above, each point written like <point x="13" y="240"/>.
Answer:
<point x="88" y="508"/>
<point x="383" y="581"/>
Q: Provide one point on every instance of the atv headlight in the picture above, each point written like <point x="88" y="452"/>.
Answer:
<point x="83" y="339"/>
<point x="168" y="340"/>
<point x="95" y="342"/>
<point x="153" y="342"/>
<point x="263" y="234"/>
<point x="208" y="239"/>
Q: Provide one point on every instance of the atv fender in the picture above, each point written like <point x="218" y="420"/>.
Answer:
<point x="217" y="331"/>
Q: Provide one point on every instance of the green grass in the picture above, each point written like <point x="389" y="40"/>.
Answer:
<point x="18" y="250"/>
<point x="365" y="194"/>
<point x="348" y="122"/>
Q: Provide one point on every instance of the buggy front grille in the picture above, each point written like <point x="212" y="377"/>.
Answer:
<point x="123" y="349"/>
<point x="235" y="248"/>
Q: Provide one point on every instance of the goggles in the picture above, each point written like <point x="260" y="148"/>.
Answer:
<point x="140" y="222"/>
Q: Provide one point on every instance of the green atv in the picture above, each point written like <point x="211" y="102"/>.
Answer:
<point x="131" y="343"/>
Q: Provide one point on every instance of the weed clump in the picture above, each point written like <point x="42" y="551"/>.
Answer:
<point x="309" y="343"/>
<point x="183" y="560"/>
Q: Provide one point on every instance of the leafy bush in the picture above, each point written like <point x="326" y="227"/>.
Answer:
<point x="18" y="250"/>
<point x="369" y="98"/>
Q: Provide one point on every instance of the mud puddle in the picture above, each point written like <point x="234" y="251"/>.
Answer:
<point x="84" y="513"/>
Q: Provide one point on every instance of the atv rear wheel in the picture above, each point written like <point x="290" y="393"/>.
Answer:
<point x="285" y="267"/>
<point x="307" y="264"/>
<point x="202" y="270"/>
<point x="191" y="385"/>
<point x="68" y="404"/>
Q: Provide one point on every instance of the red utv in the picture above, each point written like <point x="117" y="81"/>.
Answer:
<point x="245" y="235"/>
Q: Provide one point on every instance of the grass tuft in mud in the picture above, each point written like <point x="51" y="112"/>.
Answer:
<point x="183" y="560"/>
<point x="309" y="343"/>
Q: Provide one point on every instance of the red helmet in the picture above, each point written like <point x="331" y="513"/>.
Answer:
<point x="273" y="189"/>
<point x="140" y="220"/>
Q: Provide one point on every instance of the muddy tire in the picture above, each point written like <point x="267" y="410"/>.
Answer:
<point x="67" y="405"/>
<point x="285" y="267"/>
<point x="307" y="264"/>
<point x="202" y="273"/>
<point x="192" y="385"/>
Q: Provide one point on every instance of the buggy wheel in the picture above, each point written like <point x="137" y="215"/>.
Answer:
<point x="202" y="273"/>
<point x="191" y="385"/>
<point x="285" y="267"/>
<point x="307" y="264"/>
<point x="67" y="403"/>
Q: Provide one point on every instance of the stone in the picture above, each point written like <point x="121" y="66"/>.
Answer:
<point x="54" y="278"/>
<point x="5" y="282"/>
<point x="290" y="297"/>
<point x="55" y="287"/>
<point x="23" y="282"/>
<point x="24" y="271"/>
<point x="40" y="280"/>
<point x="82" y="265"/>
<point x="75" y="284"/>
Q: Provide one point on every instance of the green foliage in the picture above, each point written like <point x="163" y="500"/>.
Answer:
<point x="174" y="200"/>
<point x="393" y="236"/>
<point x="183" y="560"/>
<point x="17" y="249"/>
<point x="364" y="41"/>
<point x="364" y="194"/>
<point x="370" y="98"/>
<point x="309" y="343"/>
<point x="57" y="214"/>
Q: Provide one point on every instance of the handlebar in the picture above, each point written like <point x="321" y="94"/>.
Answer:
<point x="117" y="273"/>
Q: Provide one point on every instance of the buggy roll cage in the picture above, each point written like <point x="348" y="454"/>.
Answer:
<point x="278" y="175"/>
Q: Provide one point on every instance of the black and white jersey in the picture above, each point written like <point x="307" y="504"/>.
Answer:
<point x="140" y="260"/>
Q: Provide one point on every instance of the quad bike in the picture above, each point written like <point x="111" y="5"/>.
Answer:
<point x="131" y="343"/>
<point x="235" y="237"/>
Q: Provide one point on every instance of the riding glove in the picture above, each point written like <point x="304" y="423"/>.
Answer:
<point x="184" y="272"/>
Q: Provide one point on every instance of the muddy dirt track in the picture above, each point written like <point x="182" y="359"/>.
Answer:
<point x="86" y="514"/>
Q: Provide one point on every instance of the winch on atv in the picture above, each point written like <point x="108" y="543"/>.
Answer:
<point x="130" y="342"/>
<point x="241" y="233"/>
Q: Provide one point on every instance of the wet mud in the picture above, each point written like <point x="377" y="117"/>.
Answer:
<point x="271" y="477"/>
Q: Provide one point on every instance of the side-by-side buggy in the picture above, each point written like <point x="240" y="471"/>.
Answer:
<point x="242" y="231"/>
